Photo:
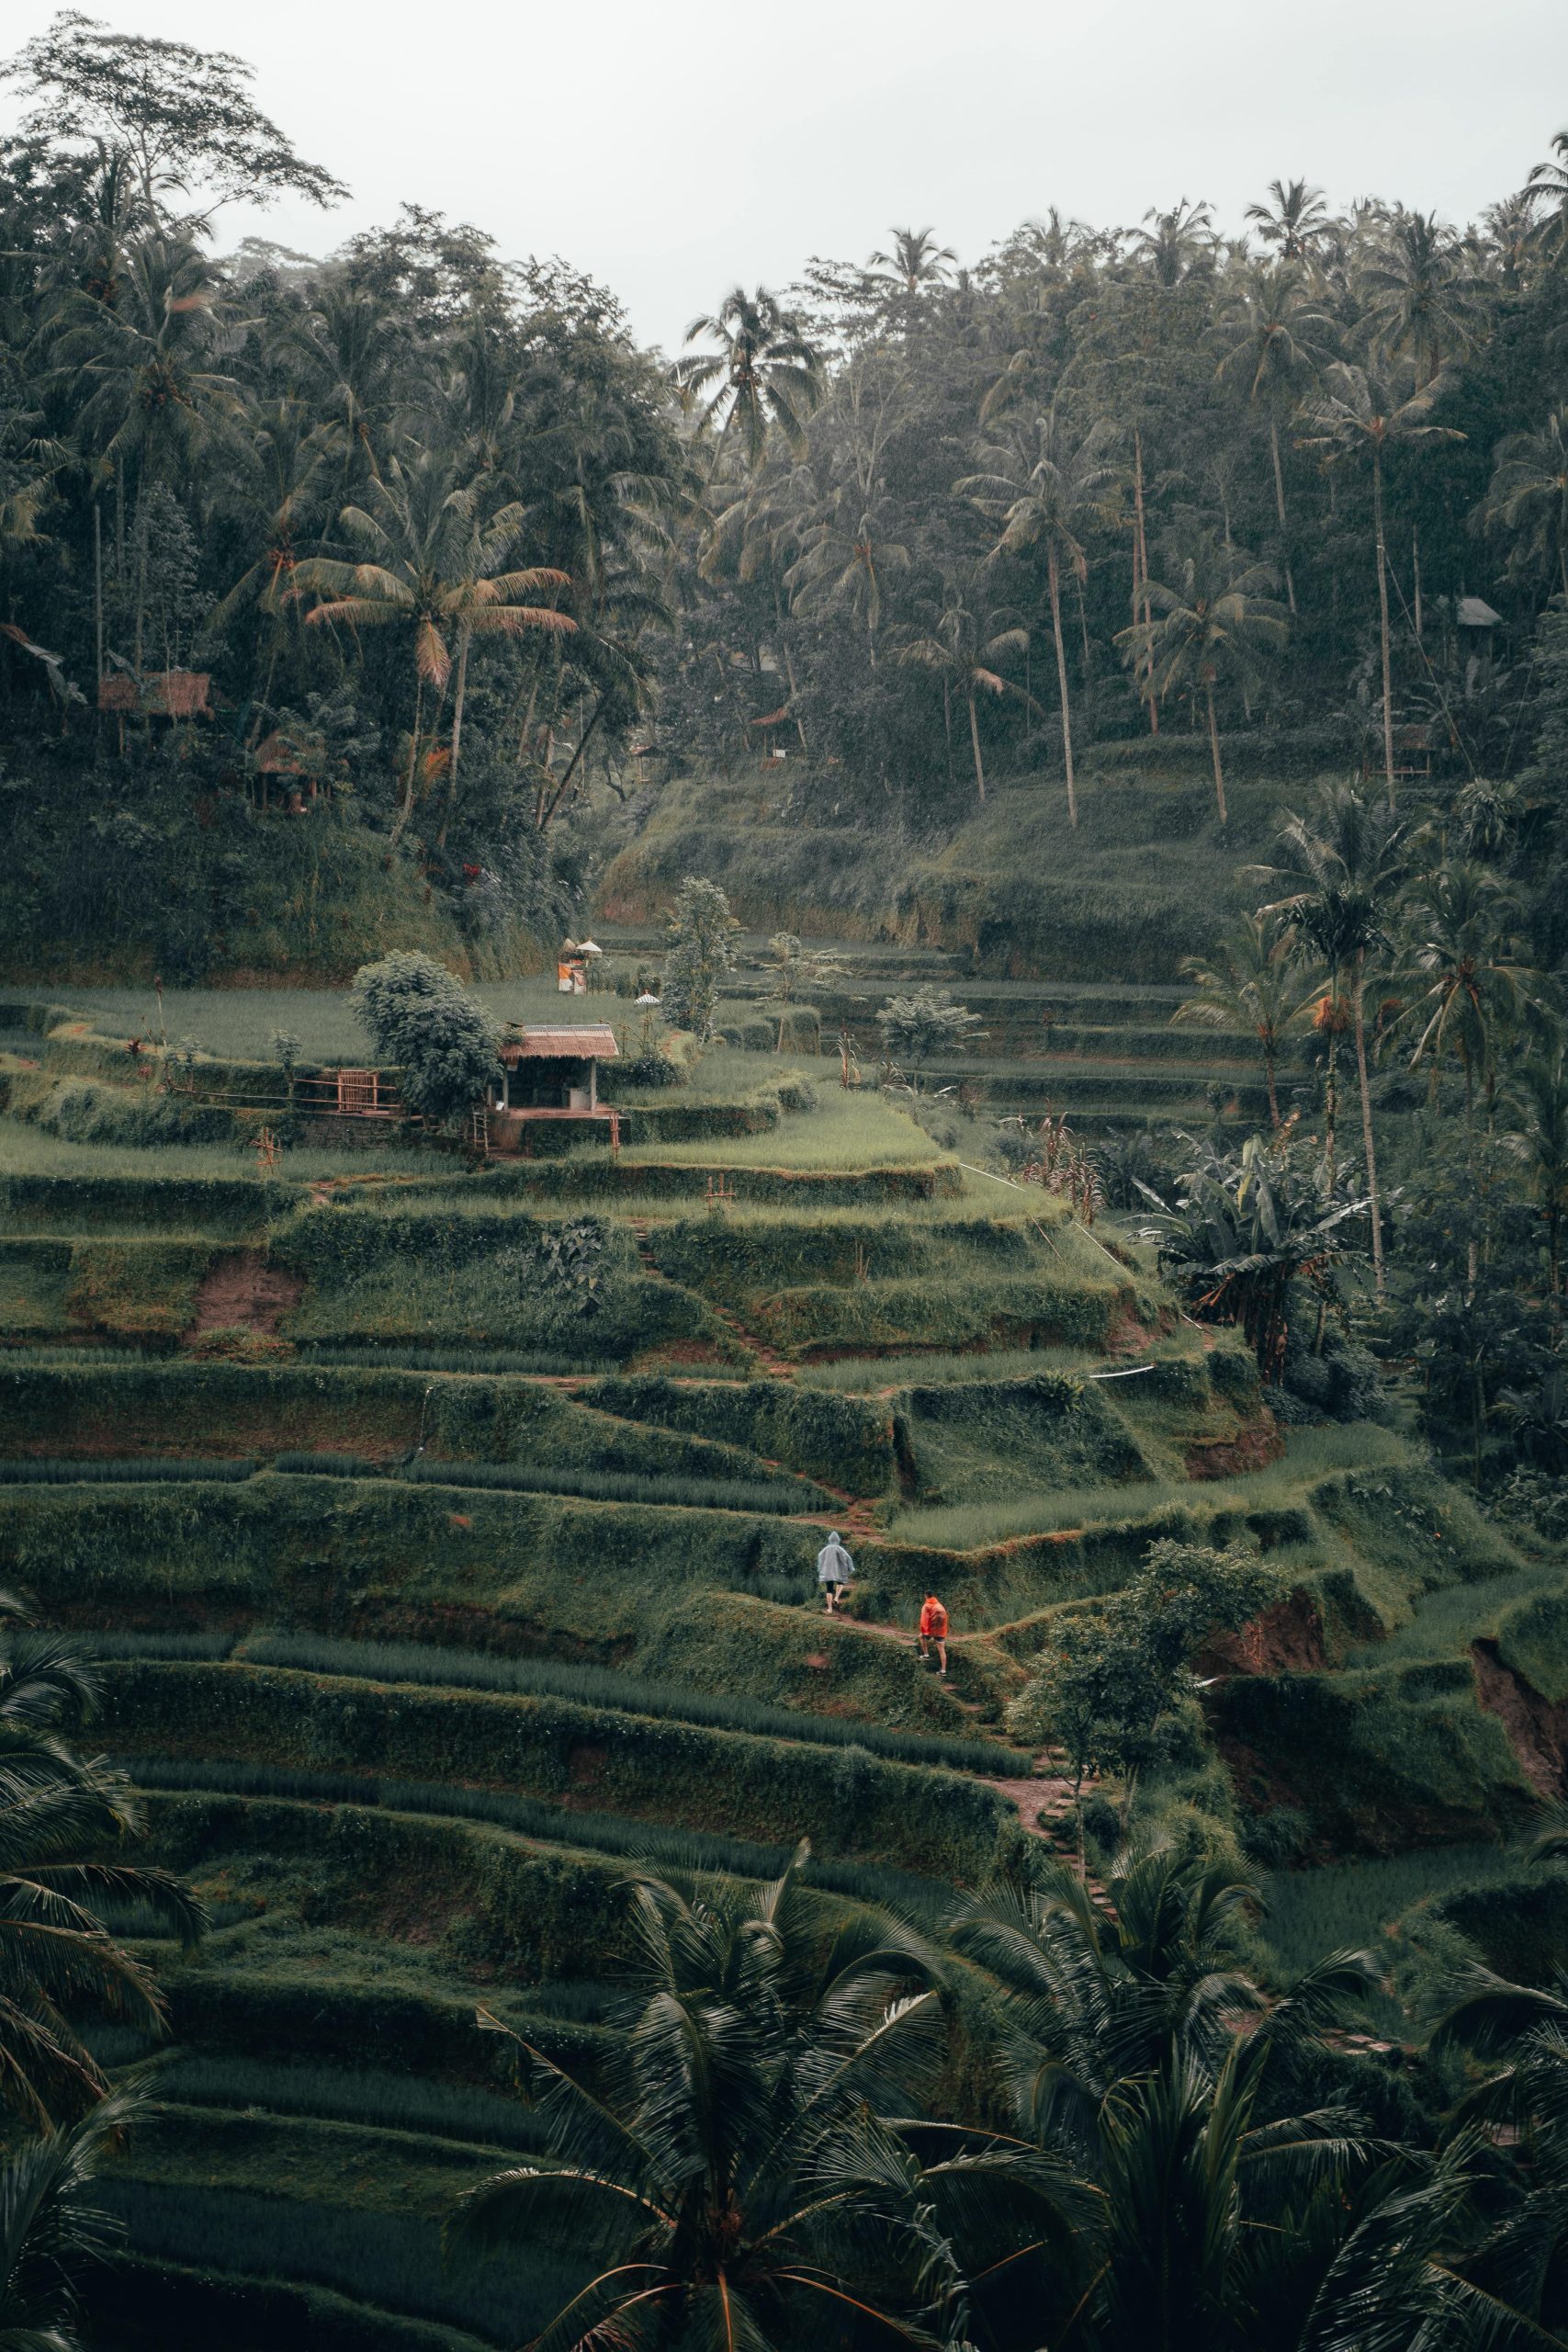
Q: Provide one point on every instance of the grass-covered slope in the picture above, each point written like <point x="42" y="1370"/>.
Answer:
<point x="442" y="1573"/>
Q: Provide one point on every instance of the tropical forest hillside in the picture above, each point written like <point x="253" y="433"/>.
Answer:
<point x="840" y="1616"/>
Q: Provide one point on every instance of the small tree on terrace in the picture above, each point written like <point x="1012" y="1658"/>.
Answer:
<point x="915" y="1027"/>
<point x="440" y="1037"/>
<point x="698" y="956"/>
<point x="1112" y="1674"/>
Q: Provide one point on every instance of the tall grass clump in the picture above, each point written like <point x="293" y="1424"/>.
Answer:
<point x="782" y="1496"/>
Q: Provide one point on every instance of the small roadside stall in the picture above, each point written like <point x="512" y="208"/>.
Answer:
<point x="552" y="1073"/>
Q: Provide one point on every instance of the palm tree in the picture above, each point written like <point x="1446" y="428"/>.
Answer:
<point x="51" y="2228"/>
<point x="915" y="262"/>
<point x="1360" y="420"/>
<point x="1213" y="626"/>
<point x="1345" y="867"/>
<point x="1527" y="496"/>
<point x="348" y="346"/>
<point x="1421" y="293"/>
<point x="847" y="556"/>
<point x="1261" y="981"/>
<point x="56" y="1954"/>
<point x="765" y="373"/>
<point x="1465" y="956"/>
<point x="1547" y="185"/>
<point x="431" y="569"/>
<point x="1138" y="2047"/>
<point x="1180" y="241"/>
<point x="1295" y="221"/>
<point x="1276" y="336"/>
<point x="1537" y="1139"/>
<point x="148" y="396"/>
<point x="962" y="649"/>
<point x="737" y="2180"/>
<point x="1047" y="489"/>
<point x="286" y="461"/>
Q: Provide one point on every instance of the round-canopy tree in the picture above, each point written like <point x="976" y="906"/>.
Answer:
<point x="441" y="1038"/>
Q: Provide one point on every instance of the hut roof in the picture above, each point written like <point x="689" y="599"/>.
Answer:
<point x="1474" y="611"/>
<point x="587" y="1042"/>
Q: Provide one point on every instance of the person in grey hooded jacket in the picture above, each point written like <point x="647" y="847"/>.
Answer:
<point x="834" y="1569"/>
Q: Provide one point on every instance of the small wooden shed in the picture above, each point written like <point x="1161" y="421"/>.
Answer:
<point x="555" y="1071"/>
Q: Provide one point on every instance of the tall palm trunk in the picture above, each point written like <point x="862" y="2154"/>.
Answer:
<point x="406" y="812"/>
<point x="1214" y="747"/>
<point x="1358" y="1015"/>
<point x="1051" y="574"/>
<point x="98" y="582"/>
<point x="1279" y="503"/>
<point x="459" y="697"/>
<point x="1382" y="623"/>
<point x="1141" y="571"/>
<point x="1331" y="1086"/>
<point x="1270" y="1057"/>
<point x="975" y="742"/>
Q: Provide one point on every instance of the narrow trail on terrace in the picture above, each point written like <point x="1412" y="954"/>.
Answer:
<point x="769" y="1361"/>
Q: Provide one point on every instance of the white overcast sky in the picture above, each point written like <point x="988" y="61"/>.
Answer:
<point x="672" y="147"/>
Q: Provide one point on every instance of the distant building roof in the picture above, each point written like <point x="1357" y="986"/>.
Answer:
<point x="1474" y="611"/>
<point x="588" y="1042"/>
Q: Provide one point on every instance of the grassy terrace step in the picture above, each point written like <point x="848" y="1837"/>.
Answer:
<point x="427" y="1663"/>
<point x="146" y="2303"/>
<point x="655" y="1769"/>
<point x="382" y="2263"/>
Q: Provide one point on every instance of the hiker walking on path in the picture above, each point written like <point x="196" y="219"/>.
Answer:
<point x="834" y="1569"/>
<point x="933" y="1630"/>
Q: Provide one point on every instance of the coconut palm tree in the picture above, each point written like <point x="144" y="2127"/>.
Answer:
<point x="148" y="400"/>
<point x="848" y="557"/>
<point x="915" y="262"/>
<point x="1179" y="242"/>
<point x="1047" y="489"/>
<point x="1276" y="338"/>
<point x="51" y="2228"/>
<point x="962" y="649"/>
<point x="1474" y="989"/>
<point x="1422" y="294"/>
<point x="284" y="465"/>
<point x="1258" y="980"/>
<point x="431" y="568"/>
<point x="764" y="374"/>
<point x="1213" y="627"/>
<point x="1546" y="191"/>
<point x="1345" y="867"/>
<point x="1527" y="497"/>
<point x="1295" y="221"/>
<point x="1138" y="2046"/>
<point x="57" y="1956"/>
<point x="737" y="2180"/>
<point x="1360" y="420"/>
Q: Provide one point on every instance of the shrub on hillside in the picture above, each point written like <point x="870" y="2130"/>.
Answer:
<point x="418" y="1017"/>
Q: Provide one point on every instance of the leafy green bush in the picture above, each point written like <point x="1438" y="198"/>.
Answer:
<point x="439" y="1036"/>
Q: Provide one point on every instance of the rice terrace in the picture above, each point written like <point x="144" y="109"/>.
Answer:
<point x="784" y="1150"/>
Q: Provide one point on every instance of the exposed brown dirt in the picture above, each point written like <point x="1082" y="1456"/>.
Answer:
<point x="1538" y="1731"/>
<point x="242" y="1292"/>
<point x="1258" y="1442"/>
<point x="1287" y="1639"/>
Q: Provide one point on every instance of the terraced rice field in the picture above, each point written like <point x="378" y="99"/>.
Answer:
<point x="435" y="1587"/>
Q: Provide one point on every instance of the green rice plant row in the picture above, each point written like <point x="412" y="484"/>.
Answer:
<point x="592" y="1686"/>
<point x="848" y="1800"/>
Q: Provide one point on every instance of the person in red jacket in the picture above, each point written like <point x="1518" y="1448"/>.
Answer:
<point x="933" y="1630"/>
